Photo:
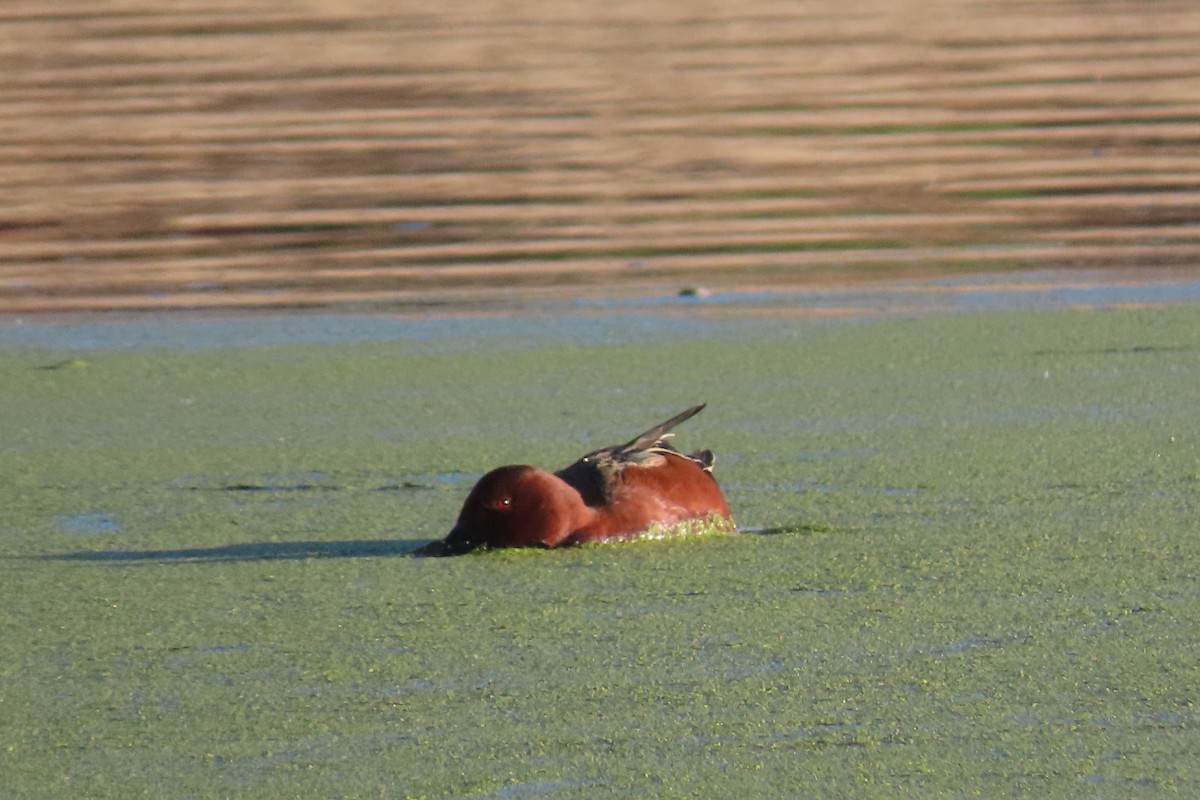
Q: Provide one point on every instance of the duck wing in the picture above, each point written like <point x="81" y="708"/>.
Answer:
<point x="654" y="437"/>
<point x="596" y="474"/>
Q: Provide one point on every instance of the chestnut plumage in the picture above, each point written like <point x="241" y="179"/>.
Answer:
<point x="616" y="492"/>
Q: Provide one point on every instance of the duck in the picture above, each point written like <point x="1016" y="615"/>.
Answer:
<point x="615" y="493"/>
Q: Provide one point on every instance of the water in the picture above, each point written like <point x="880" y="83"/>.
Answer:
<point x="198" y="156"/>
<point x="613" y="320"/>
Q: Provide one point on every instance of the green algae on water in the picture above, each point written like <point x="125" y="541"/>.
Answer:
<point x="967" y="566"/>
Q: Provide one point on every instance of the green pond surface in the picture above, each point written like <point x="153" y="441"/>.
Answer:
<point x="968" y="567"/>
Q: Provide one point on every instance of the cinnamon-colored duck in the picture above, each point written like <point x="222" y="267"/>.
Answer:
<point x="617" y="492"/>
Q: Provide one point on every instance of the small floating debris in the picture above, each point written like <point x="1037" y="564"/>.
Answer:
<point x="70" y="363"/>
<point x="278" y="487"/>
<point x="430" y="480"/>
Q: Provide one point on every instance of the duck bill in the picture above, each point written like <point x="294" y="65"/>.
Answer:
<point x="460" y="540"/>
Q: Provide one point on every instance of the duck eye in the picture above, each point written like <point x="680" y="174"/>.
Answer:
<point x="502" y="503"/>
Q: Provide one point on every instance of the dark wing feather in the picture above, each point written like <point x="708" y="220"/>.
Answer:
<point x="654" y="436"/>
<point x="595" y="475"/>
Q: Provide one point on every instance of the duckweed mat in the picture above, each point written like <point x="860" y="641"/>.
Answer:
<point x="968" y="564"/>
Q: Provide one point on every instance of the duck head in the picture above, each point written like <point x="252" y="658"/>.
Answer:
<point x="514" y="506"/>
